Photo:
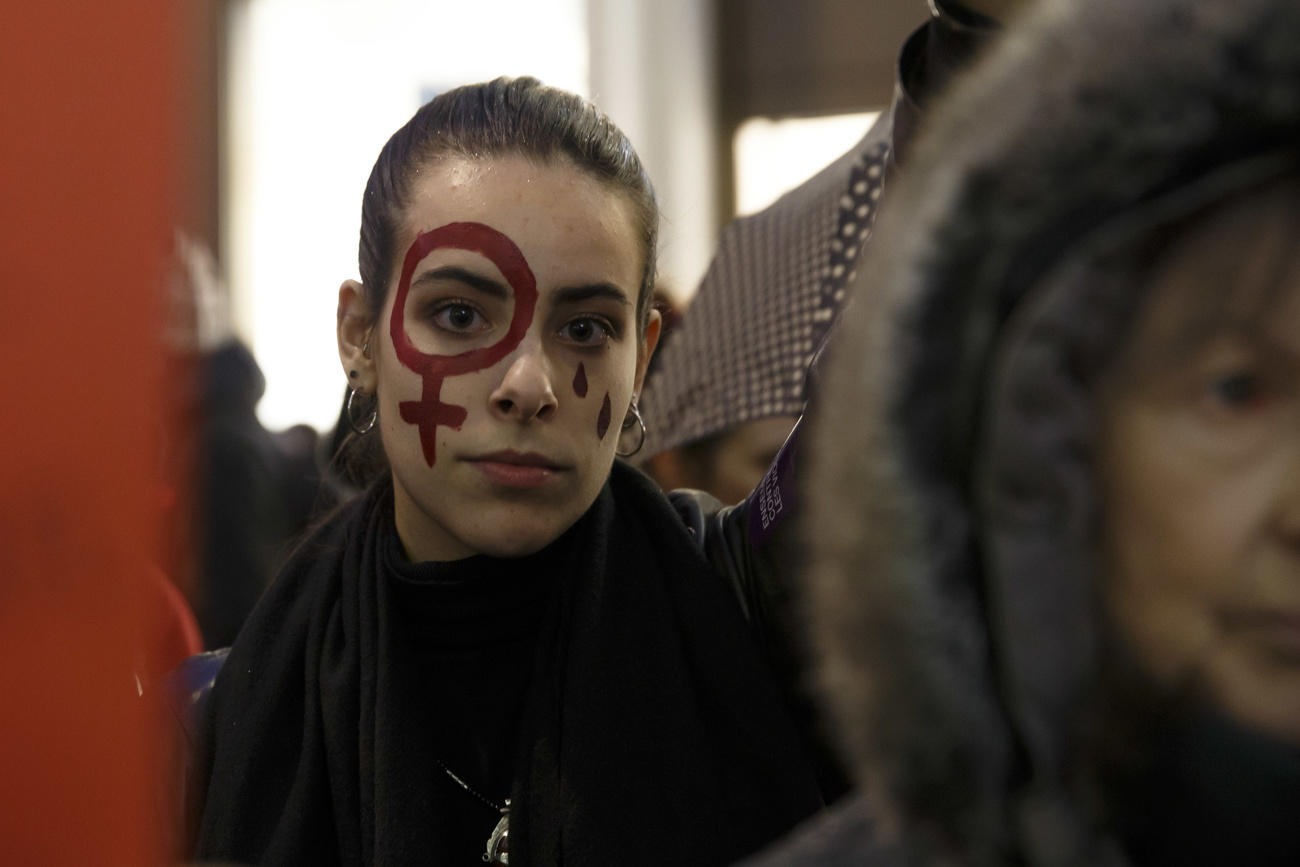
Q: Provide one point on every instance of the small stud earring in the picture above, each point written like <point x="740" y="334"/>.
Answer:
<point x="352" y="374"/>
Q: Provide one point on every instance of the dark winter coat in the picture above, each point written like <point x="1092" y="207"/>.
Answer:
<point x="951" y="506"/>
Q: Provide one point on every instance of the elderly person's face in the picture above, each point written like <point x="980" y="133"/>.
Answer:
<point x="1199" y="466"/>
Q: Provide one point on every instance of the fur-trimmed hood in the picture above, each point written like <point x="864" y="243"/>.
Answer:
<point x="951" y="508"/>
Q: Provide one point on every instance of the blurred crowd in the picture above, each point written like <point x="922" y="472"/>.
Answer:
<point x="992" y="427"/>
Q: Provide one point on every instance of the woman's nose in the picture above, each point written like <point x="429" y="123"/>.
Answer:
<point x="525" y="391"/>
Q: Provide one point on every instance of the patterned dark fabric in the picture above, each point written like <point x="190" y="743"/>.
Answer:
<point x="779" y="278"/>
<point x="771" y="293"/>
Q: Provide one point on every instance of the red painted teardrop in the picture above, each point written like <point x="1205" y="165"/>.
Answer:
<point x="602" y="420"/>
<point x="580" y="381"/>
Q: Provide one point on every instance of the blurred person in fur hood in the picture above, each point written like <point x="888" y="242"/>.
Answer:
<point x="1054" y="498"/>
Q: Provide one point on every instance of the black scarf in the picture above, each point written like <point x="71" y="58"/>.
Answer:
<point x="1212" y="792"/>
<point x="651" y="734"/>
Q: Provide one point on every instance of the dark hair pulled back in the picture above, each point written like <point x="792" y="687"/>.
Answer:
<point x="504" y="116"/>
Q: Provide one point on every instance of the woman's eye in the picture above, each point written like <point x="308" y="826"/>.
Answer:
<point x="586" y="331"/>
<point x="1232" y="375"/>
<point x="1238" y="390"/>
<point x="459" y="318"/>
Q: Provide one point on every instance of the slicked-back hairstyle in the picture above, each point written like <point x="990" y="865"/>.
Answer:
<point x="504" y="116"/>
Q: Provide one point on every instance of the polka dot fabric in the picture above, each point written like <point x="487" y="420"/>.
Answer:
<point x="774" y="288"/>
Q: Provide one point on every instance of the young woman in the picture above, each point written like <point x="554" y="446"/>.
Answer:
<point x="1058" y="457"/>
<point x="511" y="646"/>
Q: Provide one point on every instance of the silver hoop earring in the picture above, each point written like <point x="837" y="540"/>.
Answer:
<point x="360" y="427"/>
<point x="633" y="417"/>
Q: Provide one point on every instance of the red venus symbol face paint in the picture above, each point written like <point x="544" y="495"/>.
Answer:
<point x="429" y="411"/>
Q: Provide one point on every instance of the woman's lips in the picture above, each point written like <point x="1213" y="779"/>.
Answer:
<point x="1277" y="630"/>
<point x="516" y="469"/>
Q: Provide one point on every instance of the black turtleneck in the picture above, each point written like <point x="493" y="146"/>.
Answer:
<point x="470" y="627"/>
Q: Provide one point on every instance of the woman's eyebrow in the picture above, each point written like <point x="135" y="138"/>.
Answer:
<point x="578" y="294"/>
<point x="486" y="285"/>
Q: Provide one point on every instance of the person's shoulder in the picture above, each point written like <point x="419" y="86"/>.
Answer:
<point x="843" y="835"/>
<point x="186" y="688"/>
<point x="697" y="511"/>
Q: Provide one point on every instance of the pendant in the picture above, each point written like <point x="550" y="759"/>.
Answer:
<point x="498" y="845"/>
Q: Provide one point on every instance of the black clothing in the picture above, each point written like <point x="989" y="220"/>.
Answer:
<point x="929" y="60"/>
<point x="255" y="493"/>
<point x="844" y="835"/>
<point x="470" y="627"/>
<point x="650" y="731"/>
<point x="1211" y="792"/>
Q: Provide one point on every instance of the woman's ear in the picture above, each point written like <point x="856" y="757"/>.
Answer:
<point x="649" y="340"/>
<point x="354" y="335"/>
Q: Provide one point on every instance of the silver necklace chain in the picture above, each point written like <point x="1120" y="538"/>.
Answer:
<point x="497" y="848"/>
<point x="500" y="808"/>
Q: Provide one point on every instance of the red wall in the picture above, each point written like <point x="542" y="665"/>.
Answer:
<point x="90" y="101"/>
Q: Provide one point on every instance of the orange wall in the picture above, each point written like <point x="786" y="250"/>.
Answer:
<point x="89" y="98"/>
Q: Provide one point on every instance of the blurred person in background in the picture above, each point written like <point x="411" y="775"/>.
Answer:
<point x="253" y="490"/>
<point x="1056" y="460"/>
<point x="727" y="466"/>
<point x="729" y="388"/>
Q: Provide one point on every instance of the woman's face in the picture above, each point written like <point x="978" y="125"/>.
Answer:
<point x="1200" y="468"/>
<point x="507" y="352"/>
